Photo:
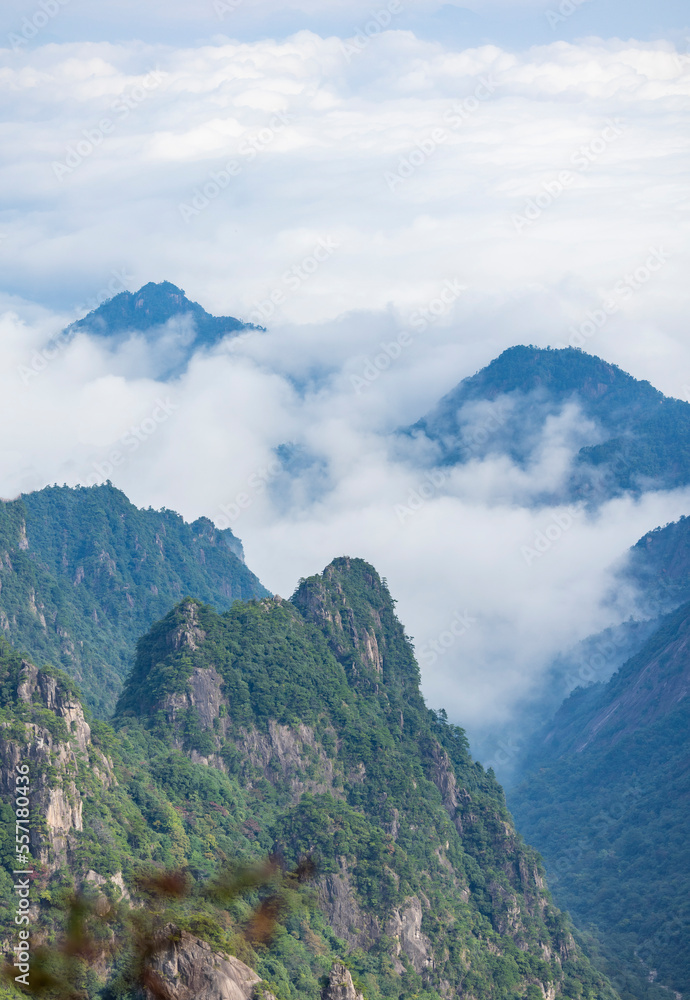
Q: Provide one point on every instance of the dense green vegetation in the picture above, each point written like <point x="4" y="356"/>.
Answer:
<point x="84" y="573"/>
<point x="639" y="438"/>
<point x="660" y="566"/>
<point x="606" y="802"/>
<point x="298" y="728"/>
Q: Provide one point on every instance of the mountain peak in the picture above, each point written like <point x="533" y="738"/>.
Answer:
<point x="152" y="306"/>
<point x="625" y="434"/>
<point x="351" y="603"/>
<point x="563" y="371"/>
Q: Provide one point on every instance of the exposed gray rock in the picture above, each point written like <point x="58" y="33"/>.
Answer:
<point x="362" y="930"/>
<point x="189" y="633"/>
<point x="285" y="753"/>
<point x="203" y="693"/>
<point x="405" y="927"/>
<point x="191" y="970"/>
<point x="454" y="799"/>
<point x="340" y="985"/>
<point x="54" y="763"/>
<point x="205" y="689"/>
<point x="56" y="700"/>
<point x="117" y="880"/>
<point x="337" y="899"/>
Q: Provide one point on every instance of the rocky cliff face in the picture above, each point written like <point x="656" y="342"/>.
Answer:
<point x="57" y="739"/>
<point x="293" y="731"/>
<point x="340" y="985"/>
<point x="338" y="899"/>
<point x="313" y="706"/>
<point x="361" y="634"/>
<point x="189" y="969"/>
<point x="405" y="928"/>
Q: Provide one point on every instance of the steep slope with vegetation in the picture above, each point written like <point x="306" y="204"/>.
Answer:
<point x="628" y="435"/>
<point x="659" y="567"/>
<point x="296" y="729"/>
<point x="607" y="802"/>
<point x="84" y="573"/>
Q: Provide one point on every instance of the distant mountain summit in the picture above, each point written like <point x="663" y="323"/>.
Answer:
<point x="165" y="316"/>
<point x="152" y="306"/>
<point x="627" y="435"/>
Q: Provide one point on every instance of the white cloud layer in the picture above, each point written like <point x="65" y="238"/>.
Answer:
<point x="457" y="547"/>
<point x="401" y="156"/>
<point x="338" y="197"/>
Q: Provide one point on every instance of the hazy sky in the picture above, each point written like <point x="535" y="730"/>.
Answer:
<point x="521" y="160"/>
<point x="513" y="23"/>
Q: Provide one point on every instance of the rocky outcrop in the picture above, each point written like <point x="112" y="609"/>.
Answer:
<point x="507" y="914"/>
<point x="455" y="800"/>
<point x="343" y="913"/>
<point x="405" y="927"/>
<point x="54" y="753"/>
<point x="189" y="633"/>
<point x="362" y="930"/>
<point x="206" y="695"/>
<point x="203" y="692"/>
<point x="285" y="753"/>
<point x="340" y="985"/>
<point x="53" y="696"/>
<point x="369" y="649"/>
<point x="351" y="638"/>
<point x="191" y="970"/>
<point x="93" y="878"/>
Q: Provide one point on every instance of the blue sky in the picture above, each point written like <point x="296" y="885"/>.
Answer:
<point x="512" y="24"/>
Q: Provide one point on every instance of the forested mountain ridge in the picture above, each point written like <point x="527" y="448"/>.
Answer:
<point x="605" y="799"/>
<point x="297" y="728"/>
<point x="83" y="573"/>
<point x="628" y="435"/>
